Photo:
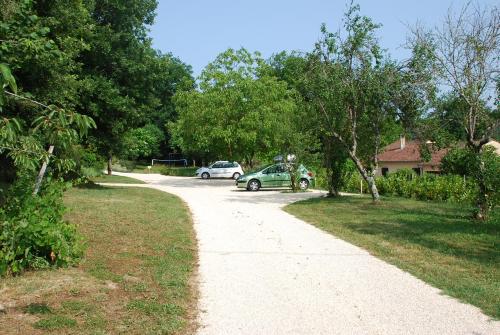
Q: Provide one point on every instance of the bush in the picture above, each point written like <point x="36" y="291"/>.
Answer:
<point x="33" y="233"/>
<point x="91" y="163"/>
<point x="143" y="142"/>
<point x="353" y="182"/>
<point x="179" y="171"/>
<point x="405" y="183"/>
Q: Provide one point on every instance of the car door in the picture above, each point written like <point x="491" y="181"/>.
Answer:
<point x="227" y="170"/>
<point x="268" y="178"/>
<point x="215" y="170"/>
<point x="282" y="176"/>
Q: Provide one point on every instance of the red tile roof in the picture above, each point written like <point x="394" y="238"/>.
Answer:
<point x="410" y="153"/>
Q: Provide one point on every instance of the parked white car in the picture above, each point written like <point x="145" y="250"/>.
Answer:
<point x="220" y="169"/>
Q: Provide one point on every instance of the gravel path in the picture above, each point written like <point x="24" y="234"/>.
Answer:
<point x="263" y="271"/>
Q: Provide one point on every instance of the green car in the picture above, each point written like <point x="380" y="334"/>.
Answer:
<point x="274" y="176"/>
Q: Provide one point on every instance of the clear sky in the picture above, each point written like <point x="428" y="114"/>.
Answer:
<point x="196" y="31"/>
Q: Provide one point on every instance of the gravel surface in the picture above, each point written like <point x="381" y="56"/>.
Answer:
<point x="263" y="271"/>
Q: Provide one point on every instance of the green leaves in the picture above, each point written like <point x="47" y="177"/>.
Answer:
<point x="241" y="112"/>
<point x="7" y="79"/>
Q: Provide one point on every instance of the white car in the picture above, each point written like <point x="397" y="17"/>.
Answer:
<point x="220" y="169"/>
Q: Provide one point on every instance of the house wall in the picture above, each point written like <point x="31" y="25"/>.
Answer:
<point x="395" y="166"/>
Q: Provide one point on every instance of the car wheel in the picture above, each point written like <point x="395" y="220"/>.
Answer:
<point x="304" y="184"/>
<point x="205" y="175"/>
<point x="253" y="185"/>
<point x="236" y="175"/>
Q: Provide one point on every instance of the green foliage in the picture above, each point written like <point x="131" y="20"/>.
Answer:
<point x="239" y="113"/>
<point x="89" y="162"/>
<point x="457" y="161"/>
<point x="354" y="91"/>
<point x="33" y="233"/>
<point x="482" y="168"/>
<point x="143" y="142"/>
<point x="463" y="58"/>
<point x="127" y="83"/>
<point x="179" y="171"/>
<point x="405" y="183"/>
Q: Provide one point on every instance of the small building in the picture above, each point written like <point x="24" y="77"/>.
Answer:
<point x="404" y="154"/>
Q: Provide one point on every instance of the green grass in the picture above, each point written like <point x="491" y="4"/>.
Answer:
<point x="153" y="243"/>
<point x="55" y="322"/>
<point x="135" y="277"/>
<point x="37" y="309"/>
<point x="436" y="242"/>
<point x="116" y="179"/>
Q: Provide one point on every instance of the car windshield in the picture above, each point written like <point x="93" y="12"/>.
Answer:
<point x="260" y="168"/>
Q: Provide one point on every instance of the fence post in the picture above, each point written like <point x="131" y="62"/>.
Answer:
<point x="361" y="186"/>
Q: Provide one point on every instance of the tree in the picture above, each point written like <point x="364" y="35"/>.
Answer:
<point x="465" y="51"/>
<point x="42" y="52"/>
<point x="127" y="84"/>
<point x="143" y="142"/>
<point x="352" y="87"/>
<point x="240" y="112"/>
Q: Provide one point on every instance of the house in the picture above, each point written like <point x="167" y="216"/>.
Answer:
<point x="404" y="154"/>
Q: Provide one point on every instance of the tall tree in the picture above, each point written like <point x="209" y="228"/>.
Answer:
<point x="239" y="112"/>
<point x="351" y="84"/>
<point x="124" y="77"/>
<point x="42" y="49"/>
<point x="466" y="53"/>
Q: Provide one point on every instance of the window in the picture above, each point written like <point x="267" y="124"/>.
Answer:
<point x="385" y="171"/>
<point x="417" y="171"/>
<point x="217" y="166"/>
<point x="280" y="169"/>
<point x="228" y="165"/>
<point x="271" y="169"/>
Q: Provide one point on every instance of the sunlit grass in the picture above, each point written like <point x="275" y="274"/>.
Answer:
<point x="436" y="242"/>
<point x="134" y="279"/>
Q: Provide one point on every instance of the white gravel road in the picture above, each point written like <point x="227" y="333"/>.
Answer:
<point x="263" y="271"/>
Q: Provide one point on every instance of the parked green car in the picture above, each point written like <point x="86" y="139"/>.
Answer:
<point x="275" y="176"/>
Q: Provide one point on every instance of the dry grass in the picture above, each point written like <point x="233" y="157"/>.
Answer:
<point x="136" y="277"/>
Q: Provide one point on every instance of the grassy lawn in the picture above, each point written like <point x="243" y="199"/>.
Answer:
<point x="434" y="241"/>
<point x="116" y="179"/>
<point x="135" y="278"/>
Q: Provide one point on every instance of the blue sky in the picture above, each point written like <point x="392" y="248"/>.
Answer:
<point x="196" y="31"/>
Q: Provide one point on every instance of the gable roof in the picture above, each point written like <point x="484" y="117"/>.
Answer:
<point x="410" y="153"/>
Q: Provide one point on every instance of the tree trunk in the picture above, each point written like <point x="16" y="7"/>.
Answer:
<point x="110" y="162"/>
<point x="370" y="180"/>
<point x="482" y="198"/>
<point x="39" y="179"/>
<point x="482" y="206"/>
<point x="332" y="190"/>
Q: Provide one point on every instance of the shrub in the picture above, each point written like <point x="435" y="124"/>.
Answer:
<point x="179" y="171"/>
<point x="405" y="183"/>
<point x="33" y="233"/>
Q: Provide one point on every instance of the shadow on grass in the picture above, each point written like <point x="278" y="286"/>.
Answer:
<point x="91" y="186"/>
<point x="441" y="227"/>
